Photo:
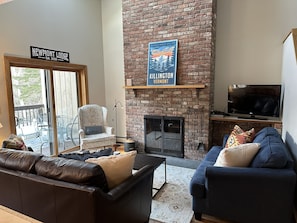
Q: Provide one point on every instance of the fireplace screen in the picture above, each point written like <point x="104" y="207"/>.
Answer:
<point x="164" y="135"/>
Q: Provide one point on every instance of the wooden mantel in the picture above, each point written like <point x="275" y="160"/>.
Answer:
<point x="192" y="86"/>
<point x="197" y="86"/>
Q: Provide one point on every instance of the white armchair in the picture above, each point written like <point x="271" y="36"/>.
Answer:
<point x="93" y="130"/>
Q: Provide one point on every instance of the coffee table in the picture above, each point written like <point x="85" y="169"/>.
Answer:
<point x="143" y="159"/>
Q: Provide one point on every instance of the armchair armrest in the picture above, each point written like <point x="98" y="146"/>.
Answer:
<point x="81" y="133"/>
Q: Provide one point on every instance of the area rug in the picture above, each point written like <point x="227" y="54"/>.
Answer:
<point x="173" y="203"/>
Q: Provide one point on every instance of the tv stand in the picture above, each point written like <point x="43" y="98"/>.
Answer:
<point x="252" y="117"/>
<point x="222" y="125"/>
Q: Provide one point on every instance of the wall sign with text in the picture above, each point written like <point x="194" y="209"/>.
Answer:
<point x="47" y="54"/>
<point x="162" y="62"/>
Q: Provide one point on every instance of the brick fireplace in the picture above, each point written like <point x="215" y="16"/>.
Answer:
<point x="193" y="24"/>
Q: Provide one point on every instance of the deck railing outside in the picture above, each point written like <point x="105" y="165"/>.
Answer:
<point x="32" y="125"/>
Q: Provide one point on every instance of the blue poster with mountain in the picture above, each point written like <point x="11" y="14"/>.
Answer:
<point x="162" y="62"/>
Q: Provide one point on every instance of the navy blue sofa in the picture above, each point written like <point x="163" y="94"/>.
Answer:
<point x="262" y="192"/>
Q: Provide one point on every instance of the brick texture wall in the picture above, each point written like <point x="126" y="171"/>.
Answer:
<point x="193" y="24"/>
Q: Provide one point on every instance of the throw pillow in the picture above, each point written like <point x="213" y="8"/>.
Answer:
<point x="117" y="168"/>
<point x="91" y="130"/>
<point x="239" y="136"/>
<point x="237" y="156"/>
<point x="14" y="142"/>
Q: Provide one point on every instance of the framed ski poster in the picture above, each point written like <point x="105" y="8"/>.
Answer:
<point x="162" y="63"/>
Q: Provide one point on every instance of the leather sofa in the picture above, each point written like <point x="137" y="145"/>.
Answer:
<point x="261" y="192"/>
<point x="59" y="190"/>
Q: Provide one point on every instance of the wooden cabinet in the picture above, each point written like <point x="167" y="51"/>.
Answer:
<point x="221" y="125"/>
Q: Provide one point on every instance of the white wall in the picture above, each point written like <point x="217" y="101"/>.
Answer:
<point x="73" y="26"/>
<point x="289" y="78"/>
<point x="249" y="43"/>
<point x="114" y="63"/>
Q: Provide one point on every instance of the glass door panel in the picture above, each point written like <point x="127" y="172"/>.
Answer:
<point x="31" y="107"/>
<point x="66" y="105"/>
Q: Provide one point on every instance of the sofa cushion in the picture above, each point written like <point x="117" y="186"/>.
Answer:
<point x="239" y="136"/>
<point x="273" y="151"/>
<point x="19" y="160"/>
<point x="238" y="156"/>
<point x="117" y="168"/>
<point x="72" y="171"/>
<point x="213" y="153"/>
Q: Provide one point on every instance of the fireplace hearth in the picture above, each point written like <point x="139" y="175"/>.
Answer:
<point x="164" y="135"/>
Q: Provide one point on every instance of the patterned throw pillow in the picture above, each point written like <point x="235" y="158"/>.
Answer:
<point x="239" y="136"/>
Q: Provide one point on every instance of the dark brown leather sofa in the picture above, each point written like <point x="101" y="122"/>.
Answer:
<point x="58" y="190"/>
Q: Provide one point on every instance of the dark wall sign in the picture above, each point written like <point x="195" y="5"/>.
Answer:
<point x="47" y="54"/>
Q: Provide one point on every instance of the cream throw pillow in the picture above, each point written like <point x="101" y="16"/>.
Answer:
<point x="117" y="168"/>
<point x="237" y="156"/>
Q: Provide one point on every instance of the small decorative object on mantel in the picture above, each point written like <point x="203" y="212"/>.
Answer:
<point x="129" y="82"/>
<point x="47" y="54"/>
<point x="162" y="62"/>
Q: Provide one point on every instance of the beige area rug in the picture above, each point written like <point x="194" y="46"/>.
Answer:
<point x="173" y="203"/>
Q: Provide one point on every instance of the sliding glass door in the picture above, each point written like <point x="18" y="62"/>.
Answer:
<point x="45" y="103"/>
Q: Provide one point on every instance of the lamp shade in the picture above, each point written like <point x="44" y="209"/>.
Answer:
<point x="1" y="125"/>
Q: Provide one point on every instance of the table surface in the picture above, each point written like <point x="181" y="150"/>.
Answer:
<point x="143" y="159"/>
<point x="8" y="215"/>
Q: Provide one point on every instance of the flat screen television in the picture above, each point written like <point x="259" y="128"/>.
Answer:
<point x="254" y="101"/>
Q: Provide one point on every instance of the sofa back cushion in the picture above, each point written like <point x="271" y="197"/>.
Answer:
<point x="19" y="160"/>
<point x="273" y="152"/>
<point x="73" y="171"/>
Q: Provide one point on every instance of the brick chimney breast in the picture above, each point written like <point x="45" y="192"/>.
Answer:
<point x="193" y="24"/>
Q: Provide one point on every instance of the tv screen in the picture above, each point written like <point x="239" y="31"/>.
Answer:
<point x="254" y="100"/>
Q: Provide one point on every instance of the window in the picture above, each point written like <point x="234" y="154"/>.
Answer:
<point x="45" y="96"/>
